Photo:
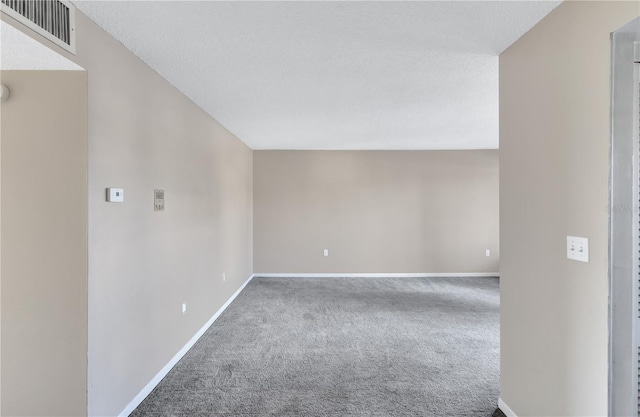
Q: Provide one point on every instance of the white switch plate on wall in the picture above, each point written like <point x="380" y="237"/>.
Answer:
<point x="326" y="252"/>
<point x="578" y="248"/>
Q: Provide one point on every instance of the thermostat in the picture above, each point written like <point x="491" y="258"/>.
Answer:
<point x="158" y="200"/>
<point x="115" y="195"/>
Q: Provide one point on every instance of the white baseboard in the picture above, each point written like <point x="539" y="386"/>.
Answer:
<point x="164" y="371"/>
<point x="176" y="358"/>
<point x="377" y="275"/>
<point x="505" y="408"/>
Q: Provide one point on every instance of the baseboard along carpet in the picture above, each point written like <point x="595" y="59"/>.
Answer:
<point x="343" y="347"/>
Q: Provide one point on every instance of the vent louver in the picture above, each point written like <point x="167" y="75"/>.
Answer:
<point x="53" y="19"/>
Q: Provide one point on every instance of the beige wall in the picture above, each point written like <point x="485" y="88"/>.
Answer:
<point x="44" y="243"/>
<point x="376" y="211"/>
<point x="554" y="153"/>
<point x="144" y="134"/>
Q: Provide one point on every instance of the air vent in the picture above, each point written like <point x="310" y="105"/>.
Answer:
<point x="53" y="19"/>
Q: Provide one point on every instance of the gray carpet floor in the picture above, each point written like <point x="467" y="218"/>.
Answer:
<point x="343" y="347"/>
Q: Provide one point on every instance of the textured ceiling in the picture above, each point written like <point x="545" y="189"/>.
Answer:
<point x="21" y="52"/>
<point x="332" y="75"/>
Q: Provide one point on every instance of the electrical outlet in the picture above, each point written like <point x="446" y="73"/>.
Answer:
<point x="326" y="252"/>
<point x="184" y="308"/>
<point x="578" y="248"/>
<point x="224" y="276"/>
<point x="487" y="253"/>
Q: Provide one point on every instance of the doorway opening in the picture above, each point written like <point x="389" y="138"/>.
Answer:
<point x="43" y="206"/>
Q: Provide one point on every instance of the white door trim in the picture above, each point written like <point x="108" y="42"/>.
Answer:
<point x="623" y="216"/>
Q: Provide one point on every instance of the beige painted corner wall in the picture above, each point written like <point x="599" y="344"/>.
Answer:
<point x="44" y="244"/>
<point x="376" y="211"/>
<point x="144" y="134"/>
<point x="554" y="162"/>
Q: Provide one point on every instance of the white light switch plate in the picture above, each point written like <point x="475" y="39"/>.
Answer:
<point x="578" y="248"/>
<point x="115" y="195"/>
